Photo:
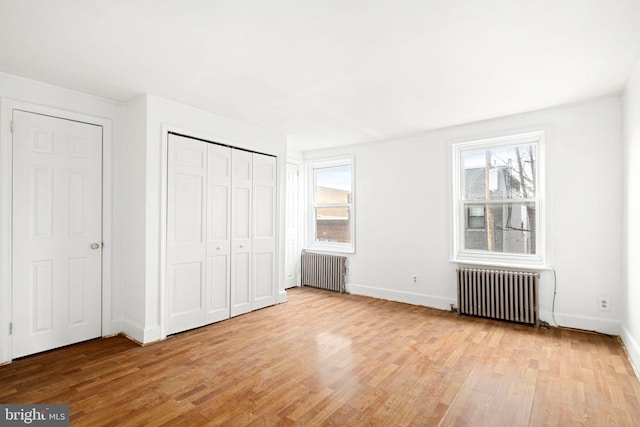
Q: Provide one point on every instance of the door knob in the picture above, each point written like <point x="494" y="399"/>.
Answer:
<point x="95" y="246"/>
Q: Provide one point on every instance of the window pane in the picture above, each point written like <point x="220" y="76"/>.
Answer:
<point x="500" y="173"/>
<point x="333" y="225"/>
<point x="505" y="227"/>
<point x="333" y="185"/>
<point x="475" y="216"/>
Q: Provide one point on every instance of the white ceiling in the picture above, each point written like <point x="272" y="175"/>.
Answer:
<point x="330" y="72"/>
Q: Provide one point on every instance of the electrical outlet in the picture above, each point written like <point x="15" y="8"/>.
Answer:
<point x="414" y="279"/>
<point x="348" y="269"/>
<point x="604" y="304"/>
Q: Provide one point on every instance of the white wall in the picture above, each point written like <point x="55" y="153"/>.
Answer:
<point x="631" y="274"/>
<point x="134" y="166"/>
<point x="38" y="94"/>
<point x="144" y="291"/>
<point x="403" y="212"/>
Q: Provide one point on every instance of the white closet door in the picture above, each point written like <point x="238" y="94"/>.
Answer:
<point x="241" y="201"/>
<point x="264" y="231"/>
<point x="218" y="233"/>
<point x="57" y="232"/>
<point x="186" y="233"/>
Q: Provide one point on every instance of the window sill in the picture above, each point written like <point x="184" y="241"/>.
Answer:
<point x="501" y="264"/>
<point x="330" y="249"/>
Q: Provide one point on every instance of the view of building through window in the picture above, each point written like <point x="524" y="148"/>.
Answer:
<point x="332" y="197"/>
<point x="499" y="199"/>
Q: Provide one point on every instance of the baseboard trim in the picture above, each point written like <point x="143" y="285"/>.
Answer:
<point x="633" y="349"/>
<point x="282" y="297"/>
<point x="402" y="296"/>
<point x="611" y="327"/>
<point x="605" y="326"/>
<point x="114" y="328"/>
<point x="139" y="334"/>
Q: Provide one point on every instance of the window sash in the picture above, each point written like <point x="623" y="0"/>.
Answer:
<point x="462" y="225"/>
<point x="315" y="241"/>
<point x="498" y="201"/>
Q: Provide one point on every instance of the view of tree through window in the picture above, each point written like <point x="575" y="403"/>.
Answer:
<point x="332" y="204"/>
<point x="500" y="198"/>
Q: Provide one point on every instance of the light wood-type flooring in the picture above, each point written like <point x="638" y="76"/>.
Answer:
<point x="344" y="360"/>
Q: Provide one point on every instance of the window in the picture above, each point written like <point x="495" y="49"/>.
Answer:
<point x="331" y="195"/>
<point x="497" y="201"/>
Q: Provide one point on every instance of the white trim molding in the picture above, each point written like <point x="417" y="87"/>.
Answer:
<point x="633" y="349"/>
<point x="430" y="301"/>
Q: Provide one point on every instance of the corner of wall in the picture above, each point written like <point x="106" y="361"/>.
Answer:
<point x="139" y="333"/>
<point x="630" y="325"/>
<point x="282" y="296"/>
<point x="633" y="349"/>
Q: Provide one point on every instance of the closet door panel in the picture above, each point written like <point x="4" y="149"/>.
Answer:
<point x="264" y="235"/>
<point x="186" y="279"/>
<point x="186" y="233"/>
<point x="241" y="211"/>
<point x="218" y="279"/>
<point x="264" y="274"/>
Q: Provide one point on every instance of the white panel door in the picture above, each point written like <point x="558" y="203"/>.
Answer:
<point x="57" y="232"/>
<point x="241" y="201"/>
<point x="218" y="278"/>
<point x="264" y="231"/>
<point x="186" y="233"/>
<point x="292" y="252"/>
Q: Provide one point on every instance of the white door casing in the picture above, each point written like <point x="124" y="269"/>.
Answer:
<point x="57" y="217"/>
<point x="292" y="254"/>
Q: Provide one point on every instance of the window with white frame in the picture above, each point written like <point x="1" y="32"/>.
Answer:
<point x="331" y="203"/>
<point x="498" y="215"/>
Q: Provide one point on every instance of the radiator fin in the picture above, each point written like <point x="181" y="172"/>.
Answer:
<point x="495" y="294"/>
<point x="324" y="271"/>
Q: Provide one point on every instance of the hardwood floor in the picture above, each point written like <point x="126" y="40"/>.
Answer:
<point x="329" y="359"/>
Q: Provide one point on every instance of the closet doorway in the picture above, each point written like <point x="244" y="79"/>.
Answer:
<point x="221" y="232"/>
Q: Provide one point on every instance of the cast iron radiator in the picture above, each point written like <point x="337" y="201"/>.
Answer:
<point x="504" y="295"/>
<point x="324" y="271"/>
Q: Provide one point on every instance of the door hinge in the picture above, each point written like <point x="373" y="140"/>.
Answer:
<point x="11" y="126"/>
<point x="10" y="328"/>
